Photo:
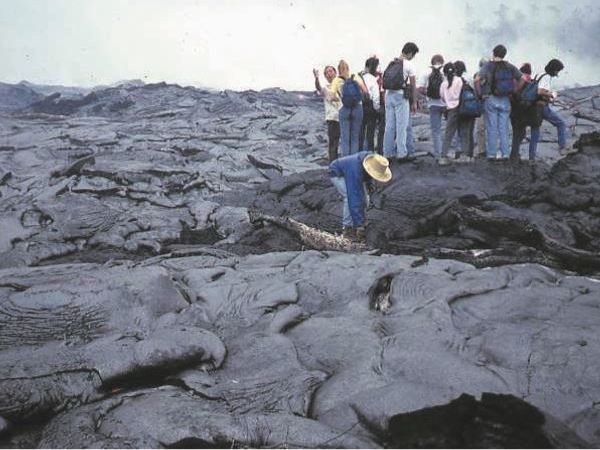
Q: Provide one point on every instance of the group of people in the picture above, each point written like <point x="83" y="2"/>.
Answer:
<point x="359" y="106"/>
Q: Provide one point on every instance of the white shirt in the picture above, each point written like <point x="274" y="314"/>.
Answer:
<point x="409" y="70"/>
<point x="451" y="94"/>
<point x="373" y="88"/>
<point x="332" y="103"/>
<point x="545" y="82"/>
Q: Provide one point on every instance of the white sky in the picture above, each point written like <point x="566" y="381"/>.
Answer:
<point x="241" y="44"/>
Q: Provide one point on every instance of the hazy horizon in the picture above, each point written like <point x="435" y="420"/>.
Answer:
<point x="242" y="45"/>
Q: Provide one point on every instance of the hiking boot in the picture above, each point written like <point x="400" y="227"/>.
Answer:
<point x="443" y="161"/>
<point x="361" y="234"/>
<point x="348" y="233"/>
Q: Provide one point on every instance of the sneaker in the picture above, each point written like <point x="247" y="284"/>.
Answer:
<point x="443" y="161"/>
<point x="564" y="151"/>
<point x="464" y="159"/>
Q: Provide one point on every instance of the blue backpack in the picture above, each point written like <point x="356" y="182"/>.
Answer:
<point x="502" y="79"/>
<point x="351" y="93"/>
<point x="529" y="94"/>
<point x="469" y="104"/>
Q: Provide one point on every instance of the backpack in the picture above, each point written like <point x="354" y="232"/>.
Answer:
<point x="434" y="83"/>
<point x="367" y="101"/>
<point x="529" y="94"/>
<point x="351" y="93"/>
<point x="502" y="79"/>
<point x="469" y="104"/>
<point x="393" y="77"/>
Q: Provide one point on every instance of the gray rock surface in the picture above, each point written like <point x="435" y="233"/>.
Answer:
<point x="290" y="344"/>
<point x="157" y="287"/>
<point x="130" y="170"/>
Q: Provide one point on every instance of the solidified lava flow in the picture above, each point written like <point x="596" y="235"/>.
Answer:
<point x="172" y="275"/>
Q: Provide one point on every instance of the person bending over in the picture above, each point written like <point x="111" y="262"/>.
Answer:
<point x="549" y="95"/>
<point x="351" y="176"/>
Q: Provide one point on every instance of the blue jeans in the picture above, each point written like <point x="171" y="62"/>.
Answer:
<point x="552" y="116"/>
<point x="340" y="185"/>
<point x="497" y="112"/>
<point x="410" y="138"/>
<point x="350" y="124"/>
<point x="397" y="114"/>
<point x="435" y="120"/>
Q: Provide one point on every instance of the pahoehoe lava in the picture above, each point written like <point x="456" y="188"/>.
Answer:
<point x="172" y="275"/>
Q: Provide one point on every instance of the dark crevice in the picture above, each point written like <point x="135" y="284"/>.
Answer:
<point x="380" y="292"/>
<point x="194" y="442"/>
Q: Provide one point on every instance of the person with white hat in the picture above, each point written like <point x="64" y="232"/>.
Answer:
<point x="351" y="175"/>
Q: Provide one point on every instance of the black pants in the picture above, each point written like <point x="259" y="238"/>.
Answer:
<point x="333" y="134"/>
<point x="471" y="137"/>
<point x="367" y="130"/>
<point x="464" y="127"/>
<point x="381" y="128"/>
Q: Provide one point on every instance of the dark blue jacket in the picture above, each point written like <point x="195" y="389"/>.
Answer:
<point x="351" y="168"/>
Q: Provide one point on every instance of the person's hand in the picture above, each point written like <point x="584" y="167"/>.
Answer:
<point x="316" y="73"/>
<point x="413" y="107"/>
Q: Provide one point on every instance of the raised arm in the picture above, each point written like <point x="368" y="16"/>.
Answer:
<point x="317" y="81"/>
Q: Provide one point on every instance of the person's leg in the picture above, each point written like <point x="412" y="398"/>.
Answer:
<point x="471" y="137"/>
<point x="481" y="135"/>
<point x="336" y="137"/>
<point x="332" y="150"/>
<point x="356" y="121"/>
<point x="503" y="126"/>
<point x="389" y="138"/>
<point x="380" y="128"/>
<point x="518" y="135"/>
<point x="401" y="127"/>
<point x="410" y="139"/>
<point x="370" y="132"/>
<point x="361" y="137"/>
<point x="435" y="120"/>
<point x="552" y="116"/>
<point x="464" y="127"/>
<point x="340" y="185"/>
<point x="344" y="131"/>
<point x="451" y="126"/>
<point x="533" y="142"/>
<point x="491" y="127"/>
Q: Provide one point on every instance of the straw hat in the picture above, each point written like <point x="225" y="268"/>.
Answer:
<point x="378" y="167"/>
